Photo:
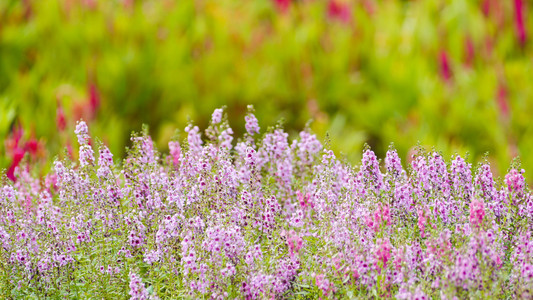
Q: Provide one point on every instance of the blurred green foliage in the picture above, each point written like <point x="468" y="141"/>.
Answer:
<point x="452" y="74"/>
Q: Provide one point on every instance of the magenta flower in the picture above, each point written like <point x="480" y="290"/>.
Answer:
<point x="61" y="121"/>
<point x="384" y="251"/>
<point x="283" y="5"/>
<point x="477" y="211"/>
<point x="94" y="98"/>
<point x="339" y="10"/>
<point x="520" y="22"/>
<point x="175" y="151"/>
<point x="422" y="221"/>
<point x="444" y="63"/>
<point x="515" y="181"/>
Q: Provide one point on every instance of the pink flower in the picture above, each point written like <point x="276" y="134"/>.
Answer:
<point x="294" y="242"/>
<point x="384" y="251"/>
<point x="137" y="289"/>
<point x="477" y="212"/>
<point x="323" y="283"/>
<point x="252" y="125"/>
<point x="515" y="181"/>
<point x="422" y="221"/>
<point x="175" y="151"/>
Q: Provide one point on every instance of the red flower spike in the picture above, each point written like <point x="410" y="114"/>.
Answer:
<point x="32" y="146"/>
<point x="17" y="132"/>
<point x="94" y="99"/>
<point x="340" y="11"/>
<point x="61" y="121"/>
<point x="283" y="5"/>
<point x="485" y="7"/>
<point x="15" y="150"/>
<point x="469" y="52"/>
<point x="69" y="150"/>
<point x="18" y="154"/>
<point x="369" y="7"/>
<point x="445" y="69"/>
<point x="502" y="100"/>
<point x="519" y="21"/>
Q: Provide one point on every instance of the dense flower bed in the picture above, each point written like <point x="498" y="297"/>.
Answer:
<point x="268" y="218"/>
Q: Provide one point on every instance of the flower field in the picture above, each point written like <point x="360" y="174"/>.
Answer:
<point x="263" y="217"/>
<point x="452" y="74"/>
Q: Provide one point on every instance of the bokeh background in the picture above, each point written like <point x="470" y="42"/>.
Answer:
<point x="450" y="74"/>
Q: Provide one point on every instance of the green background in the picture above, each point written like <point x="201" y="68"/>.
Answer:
<point x="375" y="76"/>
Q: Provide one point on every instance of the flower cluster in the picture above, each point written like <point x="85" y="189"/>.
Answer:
<point x="266" y="218"/>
